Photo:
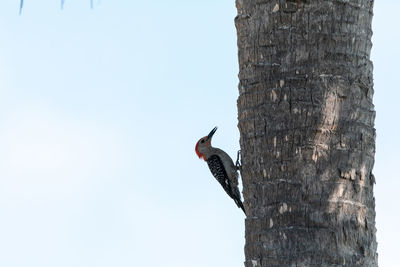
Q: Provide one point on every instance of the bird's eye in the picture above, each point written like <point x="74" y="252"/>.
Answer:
<point x="202" y="141"/>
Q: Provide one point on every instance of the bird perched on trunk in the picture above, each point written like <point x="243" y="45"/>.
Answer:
<point x="221" y="166"/>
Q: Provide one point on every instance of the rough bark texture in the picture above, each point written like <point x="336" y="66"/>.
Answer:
<point x="306" y="120"/>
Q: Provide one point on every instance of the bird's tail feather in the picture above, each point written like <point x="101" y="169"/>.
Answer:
<point x="240" y="205"/>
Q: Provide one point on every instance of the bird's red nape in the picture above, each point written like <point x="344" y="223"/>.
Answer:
<point x="197" y="150"/>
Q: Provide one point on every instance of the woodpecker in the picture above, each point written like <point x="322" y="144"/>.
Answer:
<point x="221" y="166"/>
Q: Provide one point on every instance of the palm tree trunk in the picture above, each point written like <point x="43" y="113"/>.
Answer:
<point x="306" y="122"/>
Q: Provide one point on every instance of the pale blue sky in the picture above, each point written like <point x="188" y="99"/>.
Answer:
<point x="99" y="114"/>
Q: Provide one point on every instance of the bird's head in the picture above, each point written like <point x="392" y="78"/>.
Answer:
<point x="204" y="144"/>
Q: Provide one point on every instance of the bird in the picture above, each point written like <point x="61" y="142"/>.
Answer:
<point x="221" y="166"/>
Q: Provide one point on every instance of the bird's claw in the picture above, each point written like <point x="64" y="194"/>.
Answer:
<point x="238" y="161"/>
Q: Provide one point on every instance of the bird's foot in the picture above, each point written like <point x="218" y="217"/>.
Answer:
<point x="238" y="161"/>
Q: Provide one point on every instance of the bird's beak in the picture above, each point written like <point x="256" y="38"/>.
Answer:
<point x="210" y="135"/>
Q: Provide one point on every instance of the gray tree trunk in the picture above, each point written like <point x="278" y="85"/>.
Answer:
<point x="306" y="122"/>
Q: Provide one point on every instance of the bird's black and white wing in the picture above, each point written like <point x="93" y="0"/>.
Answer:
<point x="218" y="171"/>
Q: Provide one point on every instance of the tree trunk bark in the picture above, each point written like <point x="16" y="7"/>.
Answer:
<point x="307" y="136"/>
